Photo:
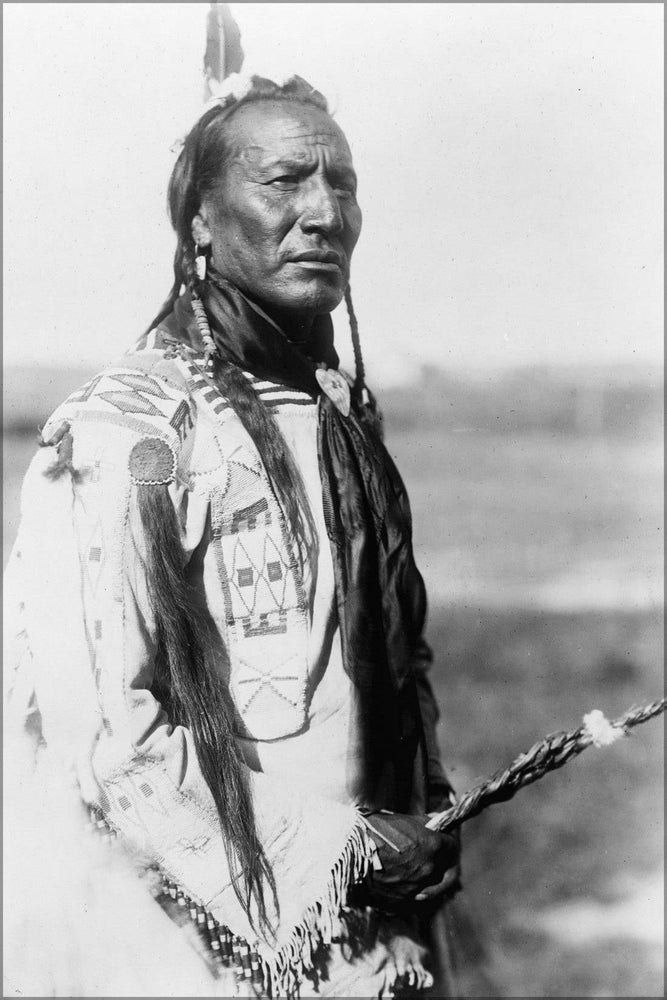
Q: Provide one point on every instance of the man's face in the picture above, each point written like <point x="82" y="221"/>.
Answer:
<point x="284" y="220"/>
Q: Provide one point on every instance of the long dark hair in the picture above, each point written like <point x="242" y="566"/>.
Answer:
<point x="188" y="674"/>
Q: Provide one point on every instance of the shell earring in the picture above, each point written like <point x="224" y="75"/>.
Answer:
<point x="200" y="263"/>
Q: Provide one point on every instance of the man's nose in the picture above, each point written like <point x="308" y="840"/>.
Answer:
<point x="321" y="209"/>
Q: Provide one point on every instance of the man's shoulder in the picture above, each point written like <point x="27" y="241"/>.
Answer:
<point x="146" y="388"/>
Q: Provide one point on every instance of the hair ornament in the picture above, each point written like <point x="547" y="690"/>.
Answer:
<point x="152" y="462"/>
<point x="233" y="88"/>
<point x="334" y="385"/>
<point x="200" y="263"/>
<point x="204" y="329"/>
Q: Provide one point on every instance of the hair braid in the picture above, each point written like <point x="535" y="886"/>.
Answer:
<point x="189" y="683"/>
<point x="368" y="407"/>
<point x="359" y="368"/>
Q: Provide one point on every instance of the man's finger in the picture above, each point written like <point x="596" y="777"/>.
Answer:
<point x="431" y="891"/>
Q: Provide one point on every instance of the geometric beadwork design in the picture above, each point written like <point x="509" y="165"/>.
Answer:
<point x="137" y="393"/>
<point x="247" y="518"/>
<point x="134" y="398"/>
<point x="131" y="402"/>
<point x="267" y="611"/>
<point x="265" y="624"/>
<point x="262" y="680"/>
<point x="95" y="555"/>
<point x="86" y="390"/>
<point x="273" y="395"/>
<point x="138" y="382"/>
<point x="138" y="795"/>
<point x="252" y="579"/>
<point x="182" y="419"/>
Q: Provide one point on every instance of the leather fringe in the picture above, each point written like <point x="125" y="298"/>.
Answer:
<point x="281" y="974"/>
<point x="321" y="922"/>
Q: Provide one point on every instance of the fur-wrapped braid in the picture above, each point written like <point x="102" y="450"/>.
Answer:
<point x="197" y="697"/>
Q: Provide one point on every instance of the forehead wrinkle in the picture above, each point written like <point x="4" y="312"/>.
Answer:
<point x="307" y="133"/>
<point x="268" y="156"/>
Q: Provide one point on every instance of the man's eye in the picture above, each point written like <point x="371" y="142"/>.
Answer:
<point x="284" y="182"/>
<point x="344" y="187"/>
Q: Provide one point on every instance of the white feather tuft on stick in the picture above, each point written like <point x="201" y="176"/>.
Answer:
<point x="601" y="731"/>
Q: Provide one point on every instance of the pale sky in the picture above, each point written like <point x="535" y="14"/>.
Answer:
<point x="509" y="156"/>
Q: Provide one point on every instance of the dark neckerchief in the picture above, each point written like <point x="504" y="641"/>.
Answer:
<point x="379" y="591"/>
<point x="248" y="338"/>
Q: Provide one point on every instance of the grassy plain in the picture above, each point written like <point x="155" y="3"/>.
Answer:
<point x="543" y="557"/>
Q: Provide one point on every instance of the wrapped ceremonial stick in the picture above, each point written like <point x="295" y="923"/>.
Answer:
<point x="548" y="755"/>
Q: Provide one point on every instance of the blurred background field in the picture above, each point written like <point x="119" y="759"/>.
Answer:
<point x="537" y="500"/>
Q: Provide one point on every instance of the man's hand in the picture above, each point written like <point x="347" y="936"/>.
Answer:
<point x="417" y="864"/>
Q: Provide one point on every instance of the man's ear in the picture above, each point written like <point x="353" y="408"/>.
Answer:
<point x="201" y="233"/>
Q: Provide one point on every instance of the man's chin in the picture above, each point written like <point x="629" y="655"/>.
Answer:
<point x="325" y="294"/>
<point x="316" y="297"/>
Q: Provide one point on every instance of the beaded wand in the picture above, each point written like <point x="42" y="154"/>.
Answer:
<point x="547" y="755"/>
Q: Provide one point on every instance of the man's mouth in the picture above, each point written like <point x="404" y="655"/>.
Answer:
<point x="326" y="259"/>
